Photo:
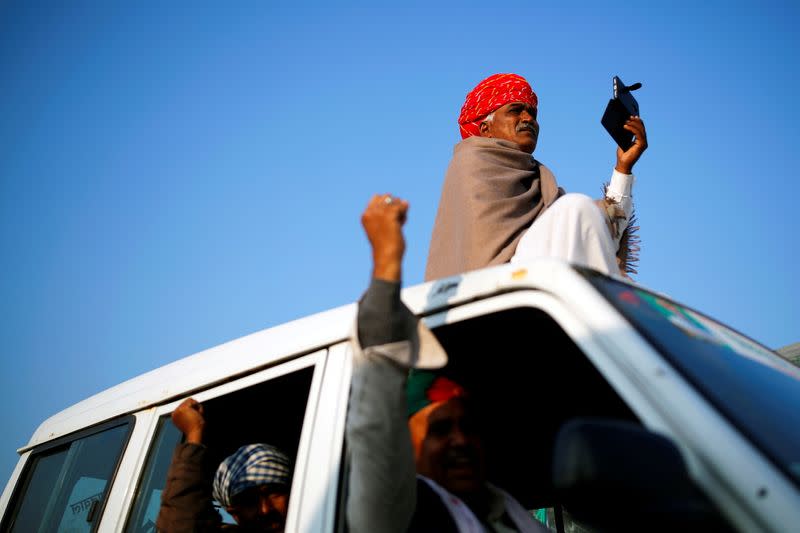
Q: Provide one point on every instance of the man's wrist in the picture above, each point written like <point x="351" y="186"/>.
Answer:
<point x="387" y="268"/>
<point x="387" y="273"/>
<point x="623" y="169"/>
<point x="195" y="436"/>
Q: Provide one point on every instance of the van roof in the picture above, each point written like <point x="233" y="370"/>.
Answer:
<point x="190" y="374"/>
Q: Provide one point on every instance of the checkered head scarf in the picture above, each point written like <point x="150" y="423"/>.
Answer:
<point x="490" y="95"/>
<point x="250" y="466"/>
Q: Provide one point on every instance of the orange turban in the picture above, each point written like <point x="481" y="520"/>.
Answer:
<point x="491" y="94"/>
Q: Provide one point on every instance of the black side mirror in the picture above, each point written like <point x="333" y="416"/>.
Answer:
<point x="616" y="476"/>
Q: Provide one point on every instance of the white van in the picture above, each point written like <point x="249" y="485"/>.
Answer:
<point x="539" y="346"/>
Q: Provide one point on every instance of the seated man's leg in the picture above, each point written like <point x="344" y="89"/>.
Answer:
<point x="573" y="228"/>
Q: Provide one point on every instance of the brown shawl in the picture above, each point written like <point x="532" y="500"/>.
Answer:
<point x="492" y="193"/>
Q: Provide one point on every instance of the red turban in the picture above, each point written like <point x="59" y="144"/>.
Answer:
<point x="490" y="95"/>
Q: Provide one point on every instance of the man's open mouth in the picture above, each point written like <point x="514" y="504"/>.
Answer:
<point x="461" y="462"/>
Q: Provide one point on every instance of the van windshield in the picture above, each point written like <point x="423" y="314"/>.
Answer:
<point x="757" y="390"/>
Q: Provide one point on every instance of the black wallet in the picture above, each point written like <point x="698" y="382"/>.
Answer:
<point x="618" y="110"/>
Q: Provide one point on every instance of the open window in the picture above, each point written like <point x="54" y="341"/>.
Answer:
<point x="528" y="378"/>
<point x="269" y="407"/>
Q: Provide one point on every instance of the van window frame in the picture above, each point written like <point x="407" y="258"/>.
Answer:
<point x="318" y="509"/>
<point x="25" y="478"/>
<point x="315" y="359"/>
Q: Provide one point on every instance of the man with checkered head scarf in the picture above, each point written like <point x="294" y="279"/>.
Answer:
<point x="501" y="205"/>
<point x="252" y="483"/>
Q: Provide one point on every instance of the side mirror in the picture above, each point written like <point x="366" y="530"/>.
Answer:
<point x="616" y="476"/>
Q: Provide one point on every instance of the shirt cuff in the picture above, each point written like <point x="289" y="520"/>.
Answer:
<point x="621" y="184"/>
<point x="620" y="189"/>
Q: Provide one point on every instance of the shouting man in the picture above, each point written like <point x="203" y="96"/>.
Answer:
<point x="417" y="460"/>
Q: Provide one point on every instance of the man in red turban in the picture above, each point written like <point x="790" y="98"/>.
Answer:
<point x="498" y="203"/>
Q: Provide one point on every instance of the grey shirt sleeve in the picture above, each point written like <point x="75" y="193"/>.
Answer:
<point x="382" y="479"/>
<point x="382" y="317"/>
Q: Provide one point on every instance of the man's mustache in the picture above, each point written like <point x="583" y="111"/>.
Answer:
<point x="527" y="126"/>
<point x="272" y="521"/>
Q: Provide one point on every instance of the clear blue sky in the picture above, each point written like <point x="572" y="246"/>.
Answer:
<point x="174" y="175"/>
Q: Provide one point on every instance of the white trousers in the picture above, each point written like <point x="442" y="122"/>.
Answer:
<point x="573" y="228"/>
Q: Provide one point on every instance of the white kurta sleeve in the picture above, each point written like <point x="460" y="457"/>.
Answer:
<point x="620" y="189"/>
